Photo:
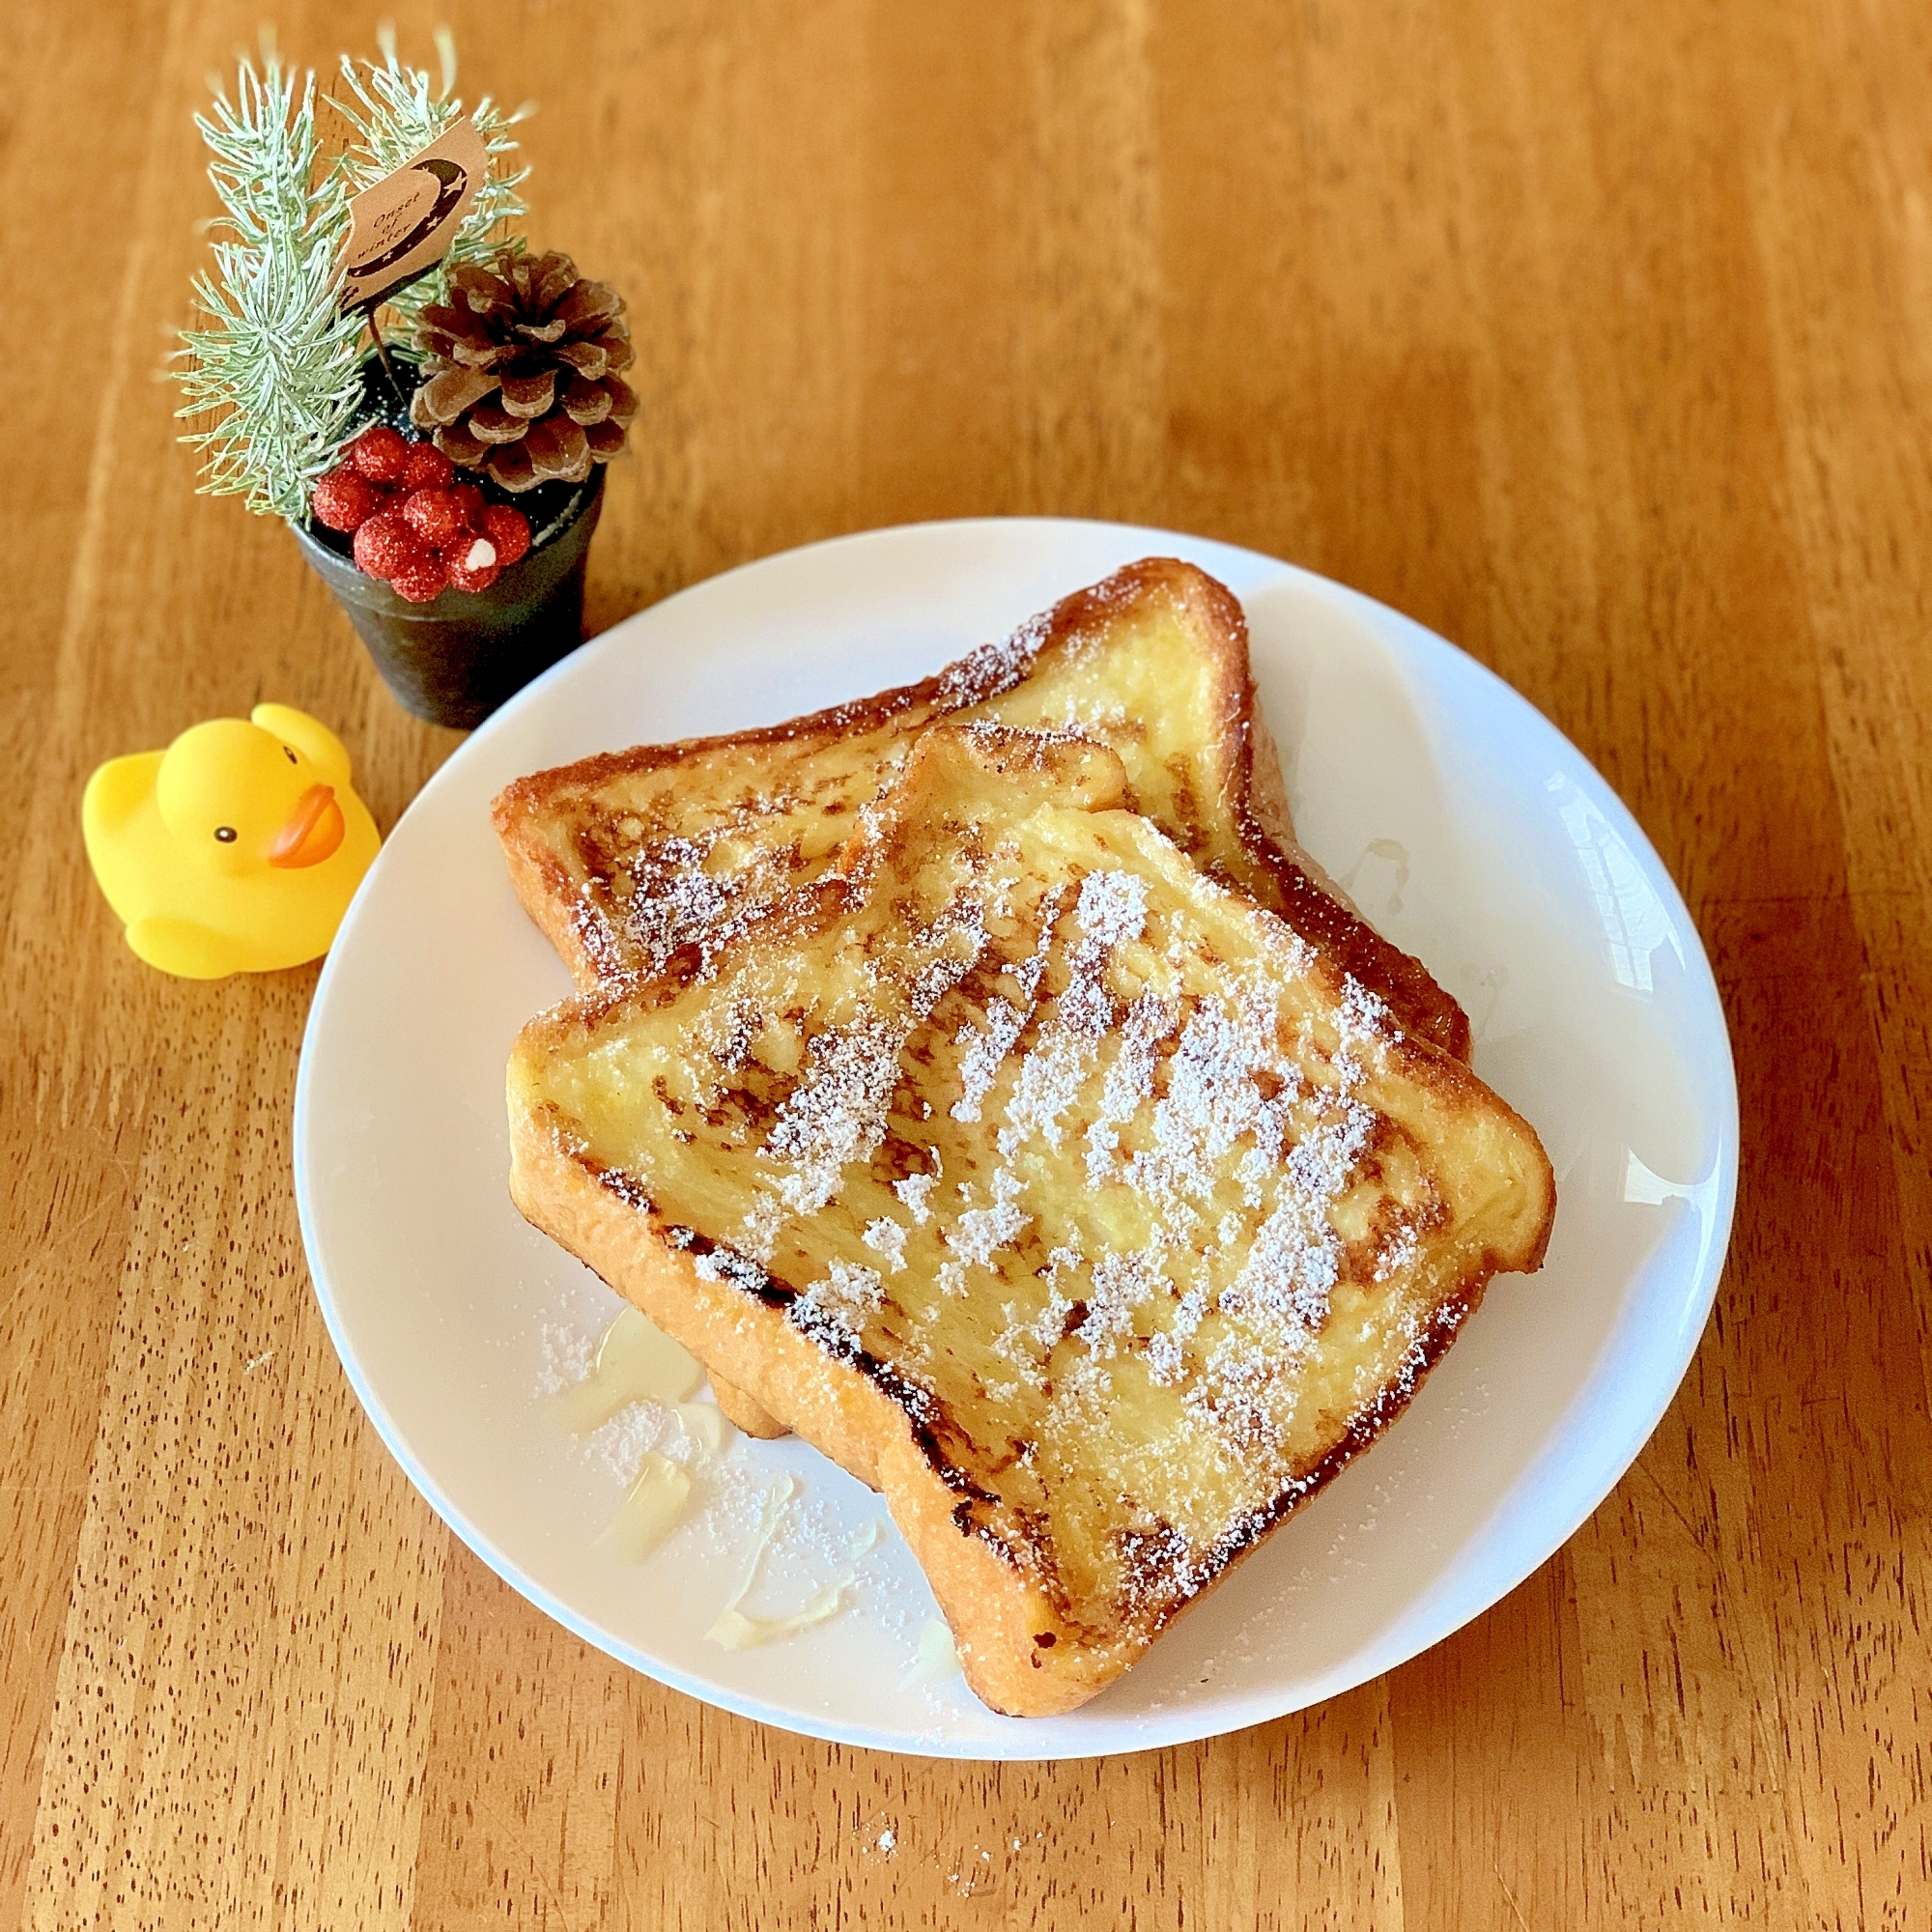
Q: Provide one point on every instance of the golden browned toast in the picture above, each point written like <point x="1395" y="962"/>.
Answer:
<point x="1093" y="1212"/>
<point x="646" y="861"/>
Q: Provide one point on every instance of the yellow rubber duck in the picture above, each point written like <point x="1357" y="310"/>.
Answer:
<point x="237" y="849"/>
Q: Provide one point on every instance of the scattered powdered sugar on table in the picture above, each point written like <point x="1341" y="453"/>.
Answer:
<point x="972" y="1870"/>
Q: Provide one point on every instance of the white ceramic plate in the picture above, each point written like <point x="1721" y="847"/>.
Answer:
<point x="1466" y="826"/>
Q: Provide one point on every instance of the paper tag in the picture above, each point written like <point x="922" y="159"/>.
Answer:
<point x="403" y="226"/>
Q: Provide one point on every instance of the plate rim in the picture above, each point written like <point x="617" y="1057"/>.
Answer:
<point x="1724" y="1118"/>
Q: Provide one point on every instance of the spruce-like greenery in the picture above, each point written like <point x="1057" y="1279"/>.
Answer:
<point x="397" y="116"/>
<point x="274" y="366"/>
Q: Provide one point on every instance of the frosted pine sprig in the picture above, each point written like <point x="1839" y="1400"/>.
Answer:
<point x="395" y="114"/>
<point x="274" y="369"/>
<point x="276" y="366"/>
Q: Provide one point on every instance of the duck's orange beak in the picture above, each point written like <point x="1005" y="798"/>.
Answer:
<point x="313" y="832"/>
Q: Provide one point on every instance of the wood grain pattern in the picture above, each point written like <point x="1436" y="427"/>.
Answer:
<point x="1598" y="339"/>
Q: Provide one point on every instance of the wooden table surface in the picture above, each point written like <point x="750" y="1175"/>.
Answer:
<point x="1598" y="337"/>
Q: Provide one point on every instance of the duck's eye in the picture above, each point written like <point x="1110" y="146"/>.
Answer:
<point x="226" y="834"/>
<point x="288" y="754"/>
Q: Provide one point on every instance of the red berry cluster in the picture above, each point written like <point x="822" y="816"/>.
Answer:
<point x="414" y="525"/>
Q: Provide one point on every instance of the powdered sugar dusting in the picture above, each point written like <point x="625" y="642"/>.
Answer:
<point x="1111" y="909"/>
<point x="835" y="1310"/>
<point x="984" y="1052"/>
<point x="916" y="1191"/>
<point x="566" y="1358"/>
<point x="693" y="894"/>
<point x="981" y="1233"/>
<point x="837" y="1112"/>
<point x="1130" y="1081"/>
<point x="886" y="1237"/>
<point x="992" y="668"/>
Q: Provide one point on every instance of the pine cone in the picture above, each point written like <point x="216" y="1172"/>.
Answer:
<point x="520" y="371"/>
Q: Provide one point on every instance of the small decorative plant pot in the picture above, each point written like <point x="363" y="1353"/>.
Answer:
<point x="455" y="660"/>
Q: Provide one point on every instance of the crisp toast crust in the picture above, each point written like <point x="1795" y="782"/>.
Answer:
<point x="630" y="860"/>
<point x="1093" y="1213"/>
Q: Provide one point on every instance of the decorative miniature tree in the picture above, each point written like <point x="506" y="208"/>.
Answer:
<point x="313" y="406"/>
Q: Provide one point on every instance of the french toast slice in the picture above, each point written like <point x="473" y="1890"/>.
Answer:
<point x="1092" y="1212"/>
<point x="635" y="861"/>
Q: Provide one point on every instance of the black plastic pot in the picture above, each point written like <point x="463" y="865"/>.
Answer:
<point x="454" y="661"/>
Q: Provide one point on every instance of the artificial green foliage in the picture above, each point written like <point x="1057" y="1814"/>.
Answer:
<point x="274" y="366"/>
<point x="395" y="115"/>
